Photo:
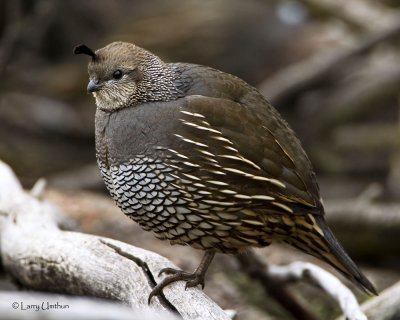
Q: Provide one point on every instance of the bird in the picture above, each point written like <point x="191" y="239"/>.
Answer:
<point x="201" y="158"/>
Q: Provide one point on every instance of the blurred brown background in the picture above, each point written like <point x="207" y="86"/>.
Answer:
<point x="332" y="68"/>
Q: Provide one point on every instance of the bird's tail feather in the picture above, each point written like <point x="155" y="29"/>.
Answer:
<point x="314" y="237"/>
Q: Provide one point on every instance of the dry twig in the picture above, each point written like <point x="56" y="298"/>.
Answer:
<point x="274" y="278"/>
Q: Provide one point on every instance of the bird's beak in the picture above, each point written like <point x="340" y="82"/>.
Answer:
<point x="93" y="85"/>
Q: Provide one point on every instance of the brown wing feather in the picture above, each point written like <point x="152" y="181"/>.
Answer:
<point x="259" y="147"/>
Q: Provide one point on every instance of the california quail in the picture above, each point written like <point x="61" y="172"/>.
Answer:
<point x="201" y="158"/>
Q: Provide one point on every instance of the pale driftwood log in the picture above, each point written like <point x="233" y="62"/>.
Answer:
<point x="384" y="307"/>
<point x="41" y="257"/>
<point x="35" y="306"/>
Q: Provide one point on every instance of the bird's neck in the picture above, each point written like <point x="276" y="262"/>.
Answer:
<point x="159" y="82"/>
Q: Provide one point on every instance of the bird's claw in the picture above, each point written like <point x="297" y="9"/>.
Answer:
<point x="152" y="294"/>
<point x="196" y="280"/>
<point x="192" y="280"/>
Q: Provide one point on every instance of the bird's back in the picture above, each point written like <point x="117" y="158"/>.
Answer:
<point x="267" y="140"/>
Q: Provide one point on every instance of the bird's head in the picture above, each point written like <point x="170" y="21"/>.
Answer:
<point x="122" y="75"/>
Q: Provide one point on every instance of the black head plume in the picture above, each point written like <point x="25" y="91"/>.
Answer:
<point x="83" y="49"/>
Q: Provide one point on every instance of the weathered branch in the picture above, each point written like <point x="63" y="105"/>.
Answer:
<point x="371" y="219"/>
<point x="258" y="270"/>
<point x="384" y="307"/>
<point x="359" y="17"/>
<point x="336" y="11"/>
<point x="273" y="278"/>
<point x="337" y="290"/>
<point x="40" y="256"/>
<point x="358" y="96"/>
<point x="308" y="74"/>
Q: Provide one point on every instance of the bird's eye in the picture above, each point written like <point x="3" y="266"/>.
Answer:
<point x="117" y="74"/>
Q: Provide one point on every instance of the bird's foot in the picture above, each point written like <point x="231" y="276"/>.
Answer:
<point x="191" y="279"/>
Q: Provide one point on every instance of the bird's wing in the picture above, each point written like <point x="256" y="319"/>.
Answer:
<point x="254" y="153"/>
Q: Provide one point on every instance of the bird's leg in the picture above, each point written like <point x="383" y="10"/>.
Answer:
<point x="192" y="279"/>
